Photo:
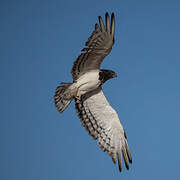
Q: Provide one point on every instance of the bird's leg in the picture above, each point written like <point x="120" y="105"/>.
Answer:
<point x="78" y="97"/>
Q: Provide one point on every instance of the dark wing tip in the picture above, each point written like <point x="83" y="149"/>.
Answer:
<point x="101" y="23"/>
<point x="130" y="161"/>
<point x="125" y="158"/>
<point x="96" y="25"/>
<point x="114" y="160"/>
<point x="125" y="135"/>
<point x="100" y="18"/>
<point x="127" y="167"/>
<point x="129" y="156"/>
<point x="126" y="164"/>
<point x="106" y="14"/>
<point x="107" y="23"/>
<point x="112" y="24"/>
<point x="112" y="15"/>
<point x="127" y="149"/>
<point x="120" y="161"/>
<point x="120" y="168"/>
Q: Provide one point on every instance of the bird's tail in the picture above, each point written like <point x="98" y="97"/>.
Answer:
<point x="63" y="96"/>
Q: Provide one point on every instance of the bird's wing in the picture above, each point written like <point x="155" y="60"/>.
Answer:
<point x="98" y="46"/>
<point x="103" y="124"/>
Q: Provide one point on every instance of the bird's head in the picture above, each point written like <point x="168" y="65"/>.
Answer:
<point x="105" y="75"/>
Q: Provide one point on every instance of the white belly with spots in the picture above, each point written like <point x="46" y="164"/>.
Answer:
<point x="88" y="82"/>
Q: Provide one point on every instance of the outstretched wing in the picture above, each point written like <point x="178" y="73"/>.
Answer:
<point x="98" y="45"/>
<point x="102" y="123"/>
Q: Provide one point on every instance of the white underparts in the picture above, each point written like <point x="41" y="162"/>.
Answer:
<point x="87" y="82"/>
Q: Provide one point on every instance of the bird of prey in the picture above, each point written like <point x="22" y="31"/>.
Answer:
<point x="97" y="116"/>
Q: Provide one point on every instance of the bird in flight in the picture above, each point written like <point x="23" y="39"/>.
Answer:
<point x="97" y="116"/>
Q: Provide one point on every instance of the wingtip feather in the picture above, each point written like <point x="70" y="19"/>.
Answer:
<point x="125" y="159"/>
<point x="101" y="23"/>
<point x="128" y="154"/>
<point x="114" y="160"/>
<point x="107" y="22"/>
<point x="112" y="24"/>
<point x="120" y="161"/>
<point x="127" y="149"/>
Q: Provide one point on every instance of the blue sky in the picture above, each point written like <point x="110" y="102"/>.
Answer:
<point x="39" y="41"/>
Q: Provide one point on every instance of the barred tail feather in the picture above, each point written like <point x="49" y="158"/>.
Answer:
<point x="63" y="96"/>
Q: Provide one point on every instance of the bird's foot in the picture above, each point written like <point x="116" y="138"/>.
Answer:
<point x="78" y="98"/>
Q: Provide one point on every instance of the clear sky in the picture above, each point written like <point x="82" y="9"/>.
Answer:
<point x="39" y="41"/>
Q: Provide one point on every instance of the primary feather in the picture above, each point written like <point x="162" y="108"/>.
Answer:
<point x="102" y="123"/>
<point x="99" y="45"/>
